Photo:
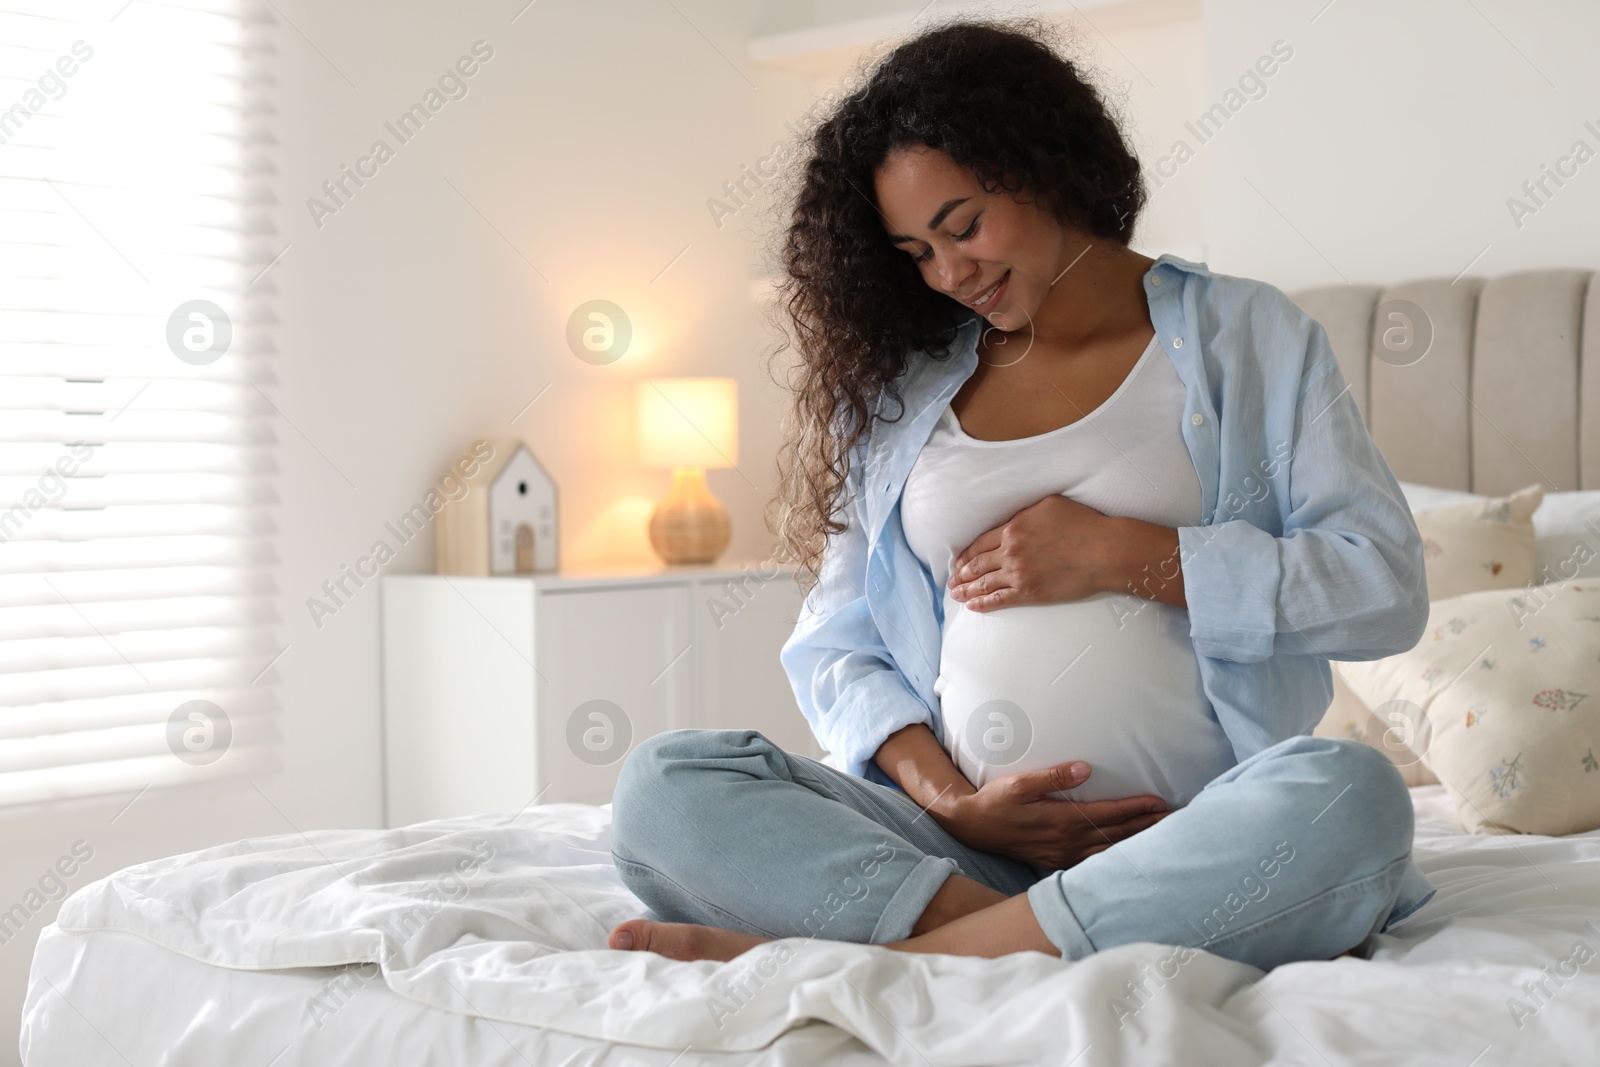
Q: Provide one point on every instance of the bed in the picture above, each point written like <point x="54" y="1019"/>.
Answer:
<point x="481" y="940"/>
<point x="269" y="951"/>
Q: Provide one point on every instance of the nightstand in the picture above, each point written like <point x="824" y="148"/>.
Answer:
<point x="502" y="691"/>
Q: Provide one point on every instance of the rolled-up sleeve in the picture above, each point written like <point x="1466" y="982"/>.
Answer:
<point x="845" y="679"/>
<point x="1346" y="580"/>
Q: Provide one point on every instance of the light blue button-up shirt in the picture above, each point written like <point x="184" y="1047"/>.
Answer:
<point x="1308" y="552"/>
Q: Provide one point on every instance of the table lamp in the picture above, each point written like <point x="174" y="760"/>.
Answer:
<point x="689" y="424"/>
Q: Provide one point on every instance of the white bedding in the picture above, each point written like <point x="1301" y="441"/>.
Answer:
<point x="299" y="950"/>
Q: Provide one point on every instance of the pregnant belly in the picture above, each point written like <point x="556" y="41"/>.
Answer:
<point x="1111" y="680"/>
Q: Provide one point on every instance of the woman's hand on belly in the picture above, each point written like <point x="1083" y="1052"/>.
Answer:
<point x="1015" y="816"/>
<point x="1059" y="550"/>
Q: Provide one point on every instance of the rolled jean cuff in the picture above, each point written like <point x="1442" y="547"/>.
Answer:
<point x="911" y="899"/>
<point x="1055" y="918"/>
<point x="1415" y="891"/>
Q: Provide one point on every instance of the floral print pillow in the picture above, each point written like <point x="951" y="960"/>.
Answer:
<point x="1502" y="699"/>
<point x="1481" y="544"/>
<point x="1348" y="717"/>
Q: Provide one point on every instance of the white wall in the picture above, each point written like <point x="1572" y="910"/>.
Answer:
<point x="1386" y="149"/>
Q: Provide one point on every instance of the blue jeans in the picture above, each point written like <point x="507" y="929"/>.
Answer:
<point x="1299" y="852"/>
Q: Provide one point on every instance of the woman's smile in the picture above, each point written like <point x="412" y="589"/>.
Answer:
<point x="991" y="297"/>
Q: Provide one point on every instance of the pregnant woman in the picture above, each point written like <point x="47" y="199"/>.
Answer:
<point x="1085" y="530"/>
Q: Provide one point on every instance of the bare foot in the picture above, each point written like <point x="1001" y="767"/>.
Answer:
<point x="683" y="941"/>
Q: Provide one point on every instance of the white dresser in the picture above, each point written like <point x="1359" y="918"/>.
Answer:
<point x="499" y="691"/>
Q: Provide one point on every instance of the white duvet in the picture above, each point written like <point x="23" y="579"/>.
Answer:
<point x="505" y="919"/>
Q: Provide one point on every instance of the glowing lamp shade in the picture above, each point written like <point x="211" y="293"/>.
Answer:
<point x="689" y="424"/>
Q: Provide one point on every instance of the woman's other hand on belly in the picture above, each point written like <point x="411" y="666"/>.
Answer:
<point x="1059" y="550"/>
<point x="1016" y="816"/>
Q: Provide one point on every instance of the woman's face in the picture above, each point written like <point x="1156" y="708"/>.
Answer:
<point x="965" y="240"/>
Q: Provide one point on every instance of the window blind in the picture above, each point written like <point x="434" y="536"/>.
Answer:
<point x="136" y="471"/>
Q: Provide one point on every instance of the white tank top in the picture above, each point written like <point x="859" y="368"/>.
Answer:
<point x="1111" y="679"/>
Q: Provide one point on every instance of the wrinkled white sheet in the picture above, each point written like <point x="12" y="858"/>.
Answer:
<point x="496" y="925"/>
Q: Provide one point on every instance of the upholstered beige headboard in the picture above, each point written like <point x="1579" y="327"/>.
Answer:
<point x="1506" y="392"/>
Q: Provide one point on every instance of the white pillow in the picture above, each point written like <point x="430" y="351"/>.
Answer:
<point x="1567" y="529"/>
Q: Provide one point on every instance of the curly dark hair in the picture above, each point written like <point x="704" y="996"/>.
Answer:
<point x="995" y="96"/>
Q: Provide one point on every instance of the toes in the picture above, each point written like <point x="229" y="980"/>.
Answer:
<point x="680" y="941"/>
<point x="632" y="935"/>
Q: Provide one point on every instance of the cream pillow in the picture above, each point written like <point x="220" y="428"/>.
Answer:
<point x="1566" y="526"/>
<point x="1349" y="717"/>
<point x="1472" y="542"/>
<point x="1480" y="544"/>
<point x="1502" y="698"/>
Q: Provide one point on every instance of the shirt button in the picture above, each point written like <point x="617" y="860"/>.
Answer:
<point x="1177" y="342"/>
<point x="1155" y="279"/>
<point x="1197" y="418"/>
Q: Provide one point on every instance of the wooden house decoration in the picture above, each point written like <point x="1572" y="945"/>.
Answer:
<point x="506" y="522"/>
